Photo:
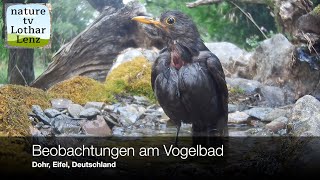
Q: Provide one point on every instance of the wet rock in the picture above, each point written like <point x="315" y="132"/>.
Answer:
<point x="33" y="120"/>
<point x="273" y="65"/>
<point x="273" y="96"/>
<point x="64" y="124"/>
<point x="259" y="132"/>
<point x="305" y="118"/>
<point x="128" y="115"/>
<point x="277" y="124"/>
<point x="232" y="108"/>
<point x="235" y="60"/>
<point x="236" y="107"/>
<point x="274" y="114"/>
<point x="35" y="131"/>
<point x="238" y="117"/>
<point x="60" y="104"/>
<point x="97" y="105"/>
<point x="46" y="127"/>
<point x="238" y="134"/>
<point x="141" y="100"/>
<point x="75" y="110"/>
<point x="151" y="112"/>
<point x="268" y="96"/>
<point x="109" y="108"/>
<point x="256" y="123"/>
<point x="89" y="113"/>
<point x="248" y="86"/>
<point x="40" y="114"/>
<point x="47" y="132"/>
<point x="112" y="119"/>
<point x="117" y="131"/>
<point x="39" y="125"/>
<point x="97" y="127"/>
<point x="258" y="112"/>
<point x="51" y="113"/>
<point x="131" y="53"/>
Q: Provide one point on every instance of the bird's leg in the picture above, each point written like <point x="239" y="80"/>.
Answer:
<point x="177" y="135"/>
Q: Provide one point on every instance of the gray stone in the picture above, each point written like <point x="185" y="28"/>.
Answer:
<point x="46" y="127"/>
<point x="237" y="107"/>
<point x="274" y="114"/>
<point x="269" y="96"/>
<point x="97" y="105"/>
<point x="259" y="132"/>
<point x="258" y="112"/>
<point x="131" y="53"/>
<point x="60" y="104"/>
<point x="64" y="124"/>
<point x="306" y="117"/>
<point x="75" y="110"/>
<point x="232" y="108"/>
<point x="39" y="125"/>
<point x="232" y="58"/>
<point x="97" y="127"/>
<point x="117" y="131"/>
<point x="256" y="123"/>
<point x="248" y="86"/>
<point x="109" y="108"/>
<point x="47" y="132"/>
<point x="238" y="117"/>
<point x="141" y="100"/>
<point x="40" y="114"/>
<point x="35" y="131"/>
<point x="277" y="124"/>
<point x="272" y="64"/>
<point x="89" y="113"/>
<point x="237" y="134"/>
<point x="51" y="113"/>
<point x="273" y="96"/>
<point x="128" y="115"/>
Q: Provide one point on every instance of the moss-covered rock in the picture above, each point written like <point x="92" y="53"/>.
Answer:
<point x="15" y="104"/>
<point x="13" y="118"/>
<point x="133" y="77"/>
<point x="26" y="95"/>
<point x="80" y="90"/>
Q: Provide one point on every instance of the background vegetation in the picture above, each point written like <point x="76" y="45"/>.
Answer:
<point x="223" y="22"/>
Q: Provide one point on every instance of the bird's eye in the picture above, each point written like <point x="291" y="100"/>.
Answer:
<point x="170" y="20"/>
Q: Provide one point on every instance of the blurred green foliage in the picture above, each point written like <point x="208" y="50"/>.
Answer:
<point x="68" y="19"/>
<point x="221" y="22"/>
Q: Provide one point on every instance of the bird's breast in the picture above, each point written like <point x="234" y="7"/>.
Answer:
<point x="176" y="60"/>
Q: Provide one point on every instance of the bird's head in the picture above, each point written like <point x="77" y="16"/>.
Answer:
<point x="176" y="28"/>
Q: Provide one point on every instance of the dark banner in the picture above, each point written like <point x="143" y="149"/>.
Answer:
<point x="159" y="156"/>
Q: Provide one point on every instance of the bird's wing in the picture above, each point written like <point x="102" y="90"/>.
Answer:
<point x="216" y="71"/>
<point x="161" y="63"/>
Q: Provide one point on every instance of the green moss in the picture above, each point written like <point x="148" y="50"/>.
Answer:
<point x="15" y="104"/>
<point x="80" y="90"/>
<point x="316" y="11"/>
<point x="13" y="118"/>
<point x="26" y="95"/>
<point x="133" y="77"/>
<point x="235" y="90"/>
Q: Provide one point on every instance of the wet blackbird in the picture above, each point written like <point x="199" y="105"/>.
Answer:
<point x="188" y="79"/>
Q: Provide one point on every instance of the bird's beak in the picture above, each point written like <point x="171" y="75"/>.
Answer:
<point x="148" y="20"/>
